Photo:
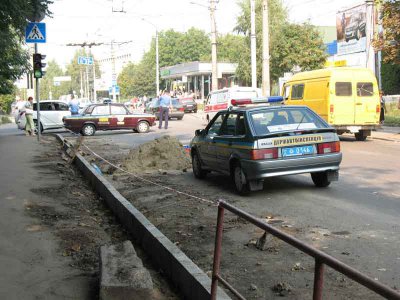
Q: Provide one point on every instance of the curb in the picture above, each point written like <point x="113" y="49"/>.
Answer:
<point x="190" y="280"/>
<point x="386" y="139"/>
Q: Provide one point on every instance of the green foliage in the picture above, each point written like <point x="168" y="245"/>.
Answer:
<point x="290" y="44"/>
<point x="389" y="40"/>
<point x="390" y="75"/>
<point x="392" y="116"/>
<point x="14" y="60"/>
<point x="5" y="102"/>
<point x="231" y="48"/>
<point x="47" y="82"/>
<point x="174" y="48"/>
<point x="5" y="120"/>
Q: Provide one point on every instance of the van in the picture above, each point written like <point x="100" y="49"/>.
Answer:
<point x="347" y="98"/>
<point x="221" y="99"/>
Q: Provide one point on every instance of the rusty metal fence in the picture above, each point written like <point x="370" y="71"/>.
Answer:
<point x="321" y="259"/>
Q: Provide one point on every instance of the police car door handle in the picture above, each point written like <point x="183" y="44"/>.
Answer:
<point x="359" y="103"/>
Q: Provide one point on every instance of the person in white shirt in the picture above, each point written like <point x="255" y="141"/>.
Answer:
<point x="29" y="125"/>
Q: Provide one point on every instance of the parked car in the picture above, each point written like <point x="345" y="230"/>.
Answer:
<point x="356" y="27"/>
<point x="111" y="116"/>
<point x="52" y="113"/>
<point x="254" y="143"/>
<point x="189" y="105"/>
<point x="177" y="110"/>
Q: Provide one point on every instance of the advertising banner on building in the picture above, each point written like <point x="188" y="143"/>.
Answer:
<point x="351" y="30"/>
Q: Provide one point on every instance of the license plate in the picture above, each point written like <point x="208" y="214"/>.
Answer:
<point x="297" y="151"/>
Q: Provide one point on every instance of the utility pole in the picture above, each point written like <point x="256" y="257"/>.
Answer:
<point x="214" y="70"/>
<point x="157" y="66"/>
<point x="266" y="89"/>
<point x="253" y="45"/>
<point x="81" y="91"/>
<point x="113" y="75"/>
<point x="157" y="57"/>
<point x="37" y="101"/>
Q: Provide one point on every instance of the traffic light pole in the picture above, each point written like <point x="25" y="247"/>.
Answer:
<point x="37" y="101"/>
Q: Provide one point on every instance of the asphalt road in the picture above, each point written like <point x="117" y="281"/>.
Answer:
<point x="355" y="219"/>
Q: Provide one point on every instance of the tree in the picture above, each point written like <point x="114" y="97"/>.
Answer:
<point x="174" y="48"/>
<point x="389" y="40"/>
<point x="290" y="44"/>
<point x="14" y="60"/>
<point x="231" y="48"/>
<point x="47" y="82"/>
<point x="74" y="70"/>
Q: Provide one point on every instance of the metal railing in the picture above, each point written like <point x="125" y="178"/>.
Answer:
<point x="321" y="259"/>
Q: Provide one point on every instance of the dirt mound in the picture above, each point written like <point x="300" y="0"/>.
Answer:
<point x="165" y="153"/>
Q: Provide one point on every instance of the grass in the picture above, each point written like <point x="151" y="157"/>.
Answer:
<point x="392" y="116"/>
<point x="5" y="120"/>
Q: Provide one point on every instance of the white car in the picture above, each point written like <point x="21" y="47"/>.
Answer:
<point x="51" y="114"/>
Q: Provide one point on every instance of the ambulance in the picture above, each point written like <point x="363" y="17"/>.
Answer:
<point x="222" y="99"/>
<point x="347" y="98"/>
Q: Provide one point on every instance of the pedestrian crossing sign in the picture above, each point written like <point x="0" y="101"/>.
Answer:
<point x="35" y="33"/>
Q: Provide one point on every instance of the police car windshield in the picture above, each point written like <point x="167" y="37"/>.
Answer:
<point x="285" y="119"/>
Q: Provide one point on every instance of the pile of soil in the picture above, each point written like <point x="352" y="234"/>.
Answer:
<point x="165" y="153"/>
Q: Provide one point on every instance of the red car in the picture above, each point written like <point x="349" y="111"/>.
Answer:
<point x="111" y="116"/>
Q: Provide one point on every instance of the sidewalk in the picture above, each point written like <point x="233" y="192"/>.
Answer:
<point x="387" y="133"/>
<point x="32" y="268"/>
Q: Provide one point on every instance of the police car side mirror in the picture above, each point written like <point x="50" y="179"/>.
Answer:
<point x="199" y="132"/>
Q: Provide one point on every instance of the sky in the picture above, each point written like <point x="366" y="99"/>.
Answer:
<point x="77" y="21"/>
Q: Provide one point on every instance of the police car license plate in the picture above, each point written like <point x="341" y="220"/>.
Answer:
<point x="297" y="151"/>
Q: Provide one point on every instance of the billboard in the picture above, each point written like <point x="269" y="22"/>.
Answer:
<point x="351" y="30"/>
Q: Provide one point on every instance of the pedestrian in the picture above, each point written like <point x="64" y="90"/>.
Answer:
<point x="165" y="105"/>
<point x="383" y="107"/>
<point x="29" y="125"/>
<point x="74" y="105"/>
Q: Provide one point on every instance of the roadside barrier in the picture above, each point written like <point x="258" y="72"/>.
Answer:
<point x="321" y="259"/>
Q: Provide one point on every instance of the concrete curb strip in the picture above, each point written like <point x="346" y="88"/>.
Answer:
<point x="191" y="281"/>
<point x="123" y="275"/>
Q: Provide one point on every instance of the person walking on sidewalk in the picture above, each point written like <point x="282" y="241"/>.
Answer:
<point x="29" y="125"/>
<point x="165" y="106"/>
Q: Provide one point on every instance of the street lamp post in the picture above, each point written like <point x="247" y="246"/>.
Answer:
<point x="157" y="58"/>
<point x="214" y="66"/>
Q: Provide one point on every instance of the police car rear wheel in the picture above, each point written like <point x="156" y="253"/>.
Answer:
<point x="88" y="130"/>
<point x="197" y="169"/>
<point x="320" y="179"/>
<point x="143" y="127"/>
<point x="239" y="178"/>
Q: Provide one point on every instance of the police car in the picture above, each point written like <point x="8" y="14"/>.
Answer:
<point x="253" y="142"/>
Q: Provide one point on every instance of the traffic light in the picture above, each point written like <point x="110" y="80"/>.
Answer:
<point x="38" y="65"/>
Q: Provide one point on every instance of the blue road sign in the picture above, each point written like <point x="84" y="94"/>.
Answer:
<point x="85" y="60"/>
<point x="112" y="88"/>
<point x="35" y="33"/>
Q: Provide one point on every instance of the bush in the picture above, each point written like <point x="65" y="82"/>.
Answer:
<point x="392" y="116"/>
<point x="5" y="120"/>
<point x="5" y="102"/>
<point x="390" y="75"/>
